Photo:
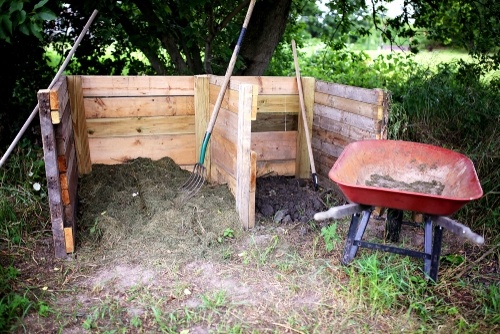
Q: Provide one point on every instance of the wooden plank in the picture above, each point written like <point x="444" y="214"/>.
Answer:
<point x="278" y="167"/>
<point x="370" y="96"/>
<point x="355" y="107"/>
<point x="65" y="154"/>
<point x="271" y="146"/>
<point x="52" y="173"/>
<point x="303" y="163"/>
<point x="227" y="124"/>
<point x="137" y="85"/>
<point x="121" y="149"/>
<point x="202" y="118"/>
<point x="68" y="181"/>
<point x="342" y="129"/>
<point x="230" y="100"/>
<point x="81" y="140"/>
<point x="140" y="126"/>
<point x="70" y="241"/>
<point x="220" y="176"/>
<point x="323" y="135"/>
<point x="243" y="158"/>
<point x="147" y="106"/>
<point x="383" y="114"/>
<point x="252" y="190"/>
<point x="345" y="117"/>
<point x="275" y="122"/>
<point x="223" y="153"/>
<point x="267" y="84"/>
<point x="58" y="99"/>
<point x="278" y="104"/>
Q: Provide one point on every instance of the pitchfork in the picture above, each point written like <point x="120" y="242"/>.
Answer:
<point x="198" y="177"/>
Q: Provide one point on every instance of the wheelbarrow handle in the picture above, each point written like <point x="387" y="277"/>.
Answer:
<point x="458" y="229"/>
<point x="338" y="212"/>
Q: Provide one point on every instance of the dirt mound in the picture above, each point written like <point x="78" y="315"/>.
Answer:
<point x="137" y="209"/>
<point x="287" y="199"/>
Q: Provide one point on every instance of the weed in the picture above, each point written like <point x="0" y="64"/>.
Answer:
<point x="12" y="304"/>
<point x="329" y="234"/>
<point x="216" y="300"/>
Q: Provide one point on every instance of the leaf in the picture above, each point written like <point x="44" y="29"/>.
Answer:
<point x="36" y="29"/>
<point x="15" y="6"/>
<point x="46" y="15"/>
<point x="7" y="24"/>
<point x="40" y="4"/>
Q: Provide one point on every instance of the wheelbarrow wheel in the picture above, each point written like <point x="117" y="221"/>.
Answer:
<point x="393" y="224"/>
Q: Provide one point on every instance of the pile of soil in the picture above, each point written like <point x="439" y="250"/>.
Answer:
<point x="287" y="199"/>
<point x="137" y="209"/>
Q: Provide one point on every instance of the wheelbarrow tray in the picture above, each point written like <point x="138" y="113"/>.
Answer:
<point x="406" y="175"/>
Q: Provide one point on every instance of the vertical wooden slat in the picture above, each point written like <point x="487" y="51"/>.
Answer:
<point x="79" y="124"/>
<point x="383" y="114"/>
<point x="202" y="116"/>
<point x="52" y="173"/>
<point x="302" y="162"/>
<point x="243" y="155"/>
<point x="253" y="188"/>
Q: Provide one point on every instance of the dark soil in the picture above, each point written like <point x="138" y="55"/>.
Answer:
<point x="287" y="199"/>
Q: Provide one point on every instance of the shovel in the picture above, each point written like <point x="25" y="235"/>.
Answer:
<point x="198" y="177"/>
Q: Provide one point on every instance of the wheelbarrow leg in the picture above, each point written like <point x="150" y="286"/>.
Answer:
<point x="356" y="231"/>
<point x="432" y="247"/>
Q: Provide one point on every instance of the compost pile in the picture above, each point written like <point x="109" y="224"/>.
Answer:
<point x="287" y="200"/>
<point x="134" y="212"/>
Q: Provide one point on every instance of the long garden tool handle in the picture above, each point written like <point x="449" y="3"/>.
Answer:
<point x="227" y="77"/>
<point x="304" y="117"/>
<point x="56" y="77"/>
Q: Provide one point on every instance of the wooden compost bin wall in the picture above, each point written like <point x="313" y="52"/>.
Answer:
<point x="60" y="137"/>
<point x="259" y="131"/>
<point x="343" y="114"/>
<point x="140" y="116"/>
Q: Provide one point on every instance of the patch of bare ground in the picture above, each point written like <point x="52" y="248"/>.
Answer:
<point x="147" y="262"/>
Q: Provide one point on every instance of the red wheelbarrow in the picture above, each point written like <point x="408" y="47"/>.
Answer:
<point x="404" y="175"/>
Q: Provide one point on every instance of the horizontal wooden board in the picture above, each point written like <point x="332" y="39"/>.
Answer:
<point x="278" y="104"/>
<point x="220" y="176"/>
<point x="266" y="84"/>
<point x="180" y="148"/>
<point x="330" y="137"/>
<point x="223" y="153"/>
<point x="275" y="122"/>
<point x="355" y="107"/>
<point x="272" y="168"/>
<point x="371" y="96"/>
<point x="346" y="117"/>
<point x="271" y="146"/>
<point x="342" y="129"/>
<point x="139" y="126"/>
<point x="229" y="102"/>
<point x="226" y="125"/>
<point x="146" y="106"/>
<point x="59" y="99"/>
<point x="137" y="85"/>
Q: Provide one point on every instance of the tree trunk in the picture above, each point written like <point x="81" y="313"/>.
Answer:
<point x="264" y="32"/>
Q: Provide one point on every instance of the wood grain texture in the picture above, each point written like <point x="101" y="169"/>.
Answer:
<point x="147" y="106"/>
<point x="79" y="124"/>
<point x="140" y="126"/>
<point x="52" y="173"/>
<point x="105" y="86"/>
<point x="110" y="151"/>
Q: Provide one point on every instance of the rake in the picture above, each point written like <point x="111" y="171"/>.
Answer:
<point x="198" y="177"/>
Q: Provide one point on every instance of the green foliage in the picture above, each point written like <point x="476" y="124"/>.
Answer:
<point x="329" y="234"/>
<point x="22" y="180"/>
<point x="12" y="304"/>
<point x="26" y="17"/>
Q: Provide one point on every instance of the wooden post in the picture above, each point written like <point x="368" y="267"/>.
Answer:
<point x="244" y="202"/>
<point x="79" y="125"/>
<point x="383" y="102"/>
<point x="302" y="162"/>
<point x="52" y="172"/>
<point x="202" y="116"/>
